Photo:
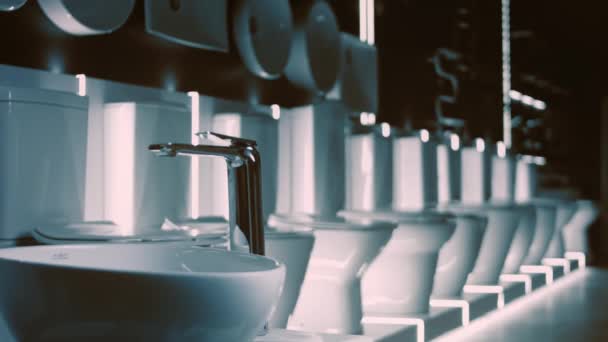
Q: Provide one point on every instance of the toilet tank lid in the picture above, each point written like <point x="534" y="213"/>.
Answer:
<point x="43" y="96"/>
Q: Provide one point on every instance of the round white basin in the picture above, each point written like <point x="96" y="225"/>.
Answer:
<point x="157" y="292"/>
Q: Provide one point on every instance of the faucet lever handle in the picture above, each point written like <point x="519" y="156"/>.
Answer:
<point x="234" y="141"/>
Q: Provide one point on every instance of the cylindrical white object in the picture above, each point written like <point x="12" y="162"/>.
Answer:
<point x="400" y="280"/>
<point x="368" y="171"/>
<point x="43" y="139"/>
<point x="143" y="189"/>
<point x="340" y="255"/>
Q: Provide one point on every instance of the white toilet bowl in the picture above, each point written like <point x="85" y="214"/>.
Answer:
<point x="400" y="280"/>
<point x="565" y="211"/>
<point x="503" y="219"/>
<point x="457" y="257"/>
<point x="330" y="298"/>
<point x="545" y="227"/>
<point x="522" y="240"/>
<point x="575" y="232"/>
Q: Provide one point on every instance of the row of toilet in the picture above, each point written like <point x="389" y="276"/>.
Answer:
<point x="368" y="220"/>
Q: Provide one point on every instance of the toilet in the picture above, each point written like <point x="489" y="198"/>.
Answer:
<point x="43" y="165"/>
<point x="330" y="298"/>
<point x="575" y="232"/>
<point x="566" y="208"/>
<point x="479" y="195"/>
<point x="399" y="281"/>
<point x="523" y="239"/>
<point x="457" y="257"/>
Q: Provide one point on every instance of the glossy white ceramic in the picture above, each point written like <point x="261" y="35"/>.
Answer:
<point x="368" y="165"/>
<point x="194" y="23"/>
<point x="457" y="257"/>
<point x="89" y="17"/>
<point x="399" y="281"/>
<point x="522" y="240"/>
<point x="291" y="248"/>
<point x="575" y="232"/>
<point x="134" y="177"/>
<point x="449" y="160"/>
<point x="565" y="211"/>
<point x="43" y="135"/>
<point x="11" y="5"/>
<point x="414" y="172"/>
<point x="545" y="227"/>
<point x="503" y="177"/>
<point x="503" y="220"/>
<point x="262" y="31"/>
<point x="311" y="159"/>
<point x="330" y="299"/>
<point x="476" y="174"/>
<point x="314" y="61"/>
<point x="154" y="292"/>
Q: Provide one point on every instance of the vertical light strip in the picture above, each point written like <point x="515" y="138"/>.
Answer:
<point x="371" y="31"/>
<point x="363" y="20"/>
<point x="82" y="84"/>
<point x="194" y="162"/>
<point x="506" y="72"/>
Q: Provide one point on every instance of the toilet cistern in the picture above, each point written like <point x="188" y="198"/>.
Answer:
<point x="244" y="186"/>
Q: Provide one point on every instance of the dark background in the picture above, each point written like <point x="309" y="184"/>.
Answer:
<point x="558" y="55"/>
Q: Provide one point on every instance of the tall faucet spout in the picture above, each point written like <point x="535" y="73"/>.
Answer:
<point x="244" y="184"/>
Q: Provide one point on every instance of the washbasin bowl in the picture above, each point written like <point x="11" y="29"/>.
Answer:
<point x="152" y="292"/>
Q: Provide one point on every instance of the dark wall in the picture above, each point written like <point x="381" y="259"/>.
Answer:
<point x="131" y="55"/>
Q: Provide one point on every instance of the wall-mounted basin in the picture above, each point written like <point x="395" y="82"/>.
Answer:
<point x="158" y="292"/>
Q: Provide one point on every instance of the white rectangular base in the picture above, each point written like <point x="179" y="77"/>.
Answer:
<point x="280" y="335"/>
<point x="415" y="328"/>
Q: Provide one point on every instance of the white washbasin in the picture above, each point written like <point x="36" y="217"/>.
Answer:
<point x="153" y="292"/>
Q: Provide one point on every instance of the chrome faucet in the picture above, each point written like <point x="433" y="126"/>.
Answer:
<point x="244" y="185"/>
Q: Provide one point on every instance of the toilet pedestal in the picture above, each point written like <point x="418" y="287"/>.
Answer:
<point x="389" y="328"/>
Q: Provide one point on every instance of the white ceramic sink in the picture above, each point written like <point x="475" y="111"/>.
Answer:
<point x="153" y="292"/>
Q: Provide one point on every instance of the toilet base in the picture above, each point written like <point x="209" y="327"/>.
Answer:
<point x="388" y="328"/>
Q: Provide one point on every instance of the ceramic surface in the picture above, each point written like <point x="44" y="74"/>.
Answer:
<point x="522" y="240"/>
<point x="503" y="220"/>
<point x="43" y="135"/>
<point x="262" y="30"/>
<point x="89" y="17"/>
<point x="330" y="299"/>
<point x="575" y="232"/>
<point x="399" y="281"/>
<point x="457" y="257"/>
<point x="154" y="292"/>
